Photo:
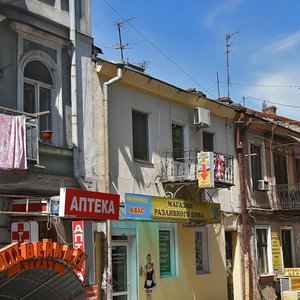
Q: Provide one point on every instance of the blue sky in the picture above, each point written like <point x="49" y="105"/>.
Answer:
<point x="184" y="43"/>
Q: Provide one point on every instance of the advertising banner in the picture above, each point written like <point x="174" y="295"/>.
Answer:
<point x="276" y="251"/>
<point x="78" y="243"/>
<point x="138" y="206"/>
<point x="143" y="207"/>
<point x="205" y="170"/>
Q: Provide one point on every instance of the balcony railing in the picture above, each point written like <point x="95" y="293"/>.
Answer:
<point x="31" y="123"/>
<point x="182" y="165"/>
<point x="286" y="196"/>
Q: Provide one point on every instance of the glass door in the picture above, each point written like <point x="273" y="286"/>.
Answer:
<point x="120" y="271"/>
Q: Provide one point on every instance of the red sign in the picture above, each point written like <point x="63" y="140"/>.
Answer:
<point x="24" y="232"/>
<point x="29" y="206"/>
<point x="17" y="257"/>
<point x="88" y="205"/>
<point x="78" y="243"/>
<point x="91" y="292"/>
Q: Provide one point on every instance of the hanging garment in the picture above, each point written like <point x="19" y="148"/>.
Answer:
<point x="219" y="166"/>
<point x="12" y="142"/>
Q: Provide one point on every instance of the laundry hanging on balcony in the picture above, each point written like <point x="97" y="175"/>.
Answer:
<point x="219" y="166"/>
<point x="12" y="142"/>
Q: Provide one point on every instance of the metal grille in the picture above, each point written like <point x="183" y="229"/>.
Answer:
<point x="286" y="196"/>
<point x="174" y="167"/>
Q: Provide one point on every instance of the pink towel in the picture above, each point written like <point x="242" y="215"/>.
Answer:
<point x="12" y="142"/>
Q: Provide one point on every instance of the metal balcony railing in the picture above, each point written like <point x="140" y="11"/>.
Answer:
<point x="182" y="165"/>
<point x="31" y="123"/>
<point x="286" y="196"/>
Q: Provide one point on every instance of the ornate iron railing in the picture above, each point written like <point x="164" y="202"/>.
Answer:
<point x="286" y="196"/>
<point x="182" y="165"/>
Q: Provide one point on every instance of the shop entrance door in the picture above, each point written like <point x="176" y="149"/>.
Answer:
<point x="120" y="278"/>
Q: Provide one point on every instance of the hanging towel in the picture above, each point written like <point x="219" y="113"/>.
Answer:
<point x="12" y="142"/>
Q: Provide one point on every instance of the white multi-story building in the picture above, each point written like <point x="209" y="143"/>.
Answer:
<point x="148" y="149"/>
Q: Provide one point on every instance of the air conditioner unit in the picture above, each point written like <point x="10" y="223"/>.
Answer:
<point x="201" y="117"/>
<point x="263" y="185"/>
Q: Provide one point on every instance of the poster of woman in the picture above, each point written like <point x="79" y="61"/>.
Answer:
<point x="149" y="277"/>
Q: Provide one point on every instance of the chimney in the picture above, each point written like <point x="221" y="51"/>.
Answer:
<point x="270" y="110"/>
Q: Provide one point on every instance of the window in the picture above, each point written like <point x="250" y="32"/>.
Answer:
<point x="177" y="142"/>
<point x="140" y="135"/>
<point x="202" y="251"/>
<point x="208" y="141"/>
<point x="280" y="168"/>
<point x="263" y="244"/>
<point x="297" y="165"/>
<point x="287" y="246"/>
<point x="37" y="96"/>
<point x="167" y="254"/>
<point x="255" y="164"/>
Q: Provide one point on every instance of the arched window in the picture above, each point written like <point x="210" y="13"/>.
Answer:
<point x="38" y="84"/>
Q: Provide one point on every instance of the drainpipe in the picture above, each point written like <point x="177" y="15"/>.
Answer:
<point x="107" y="173"/>
<point x="243" y="203"/>
<point x="74" y="119"/>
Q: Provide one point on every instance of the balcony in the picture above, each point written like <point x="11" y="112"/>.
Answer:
<point x="31" y="123"/>
<point x="286" y="196"/>
<point x="182" y="165"/>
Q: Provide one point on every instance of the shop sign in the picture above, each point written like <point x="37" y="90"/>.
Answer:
<point x="78" y="243"/>
<point x="81" y="204"/>
<point x="289" y="272"/>
<point x="46" y="254"/>
<point x="24" y="232"/>
<point x="276" y="252"/>
<point x="143" y="207"/>
<point x="295" y="283"/>
<point x="138" y="206"/>
<point x="206" y="170"/>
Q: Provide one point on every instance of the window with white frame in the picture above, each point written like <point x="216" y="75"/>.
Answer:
<point x="37" y="92"/>
<point x="263" y="249"/>
<point x="202" y="251"/>
<point x="167" y="250"/>
<point x="140" y="135"/>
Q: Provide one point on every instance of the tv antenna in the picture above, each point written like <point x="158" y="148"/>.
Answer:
<point x="228" y="51"/>
<point x="122" y="46"/>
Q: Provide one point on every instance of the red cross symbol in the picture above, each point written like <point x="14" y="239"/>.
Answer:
<point x="20" y="235"/>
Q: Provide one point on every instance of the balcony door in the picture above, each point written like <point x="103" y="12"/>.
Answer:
<point x="120" y="270"/>
<point x="287" y="247"/>
<point x="280" y="169"/>
<point x="180" y="169"/>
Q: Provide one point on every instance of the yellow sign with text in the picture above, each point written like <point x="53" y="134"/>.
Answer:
<point x="205" y="170"/>
<point x="276" y="252"/>
<point x="183" y="210"/>
<point x="295" y="283"/>
<point x="290" y="272"/>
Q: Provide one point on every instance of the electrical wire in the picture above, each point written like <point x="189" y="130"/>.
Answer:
<point x="268" y="101"/>
<point x="263" y="85"/>
<point x="159" y="50"/>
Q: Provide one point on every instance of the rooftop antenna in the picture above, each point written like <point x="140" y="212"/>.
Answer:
<point x="122" y="46"/>
<point x="228" y="51"/>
